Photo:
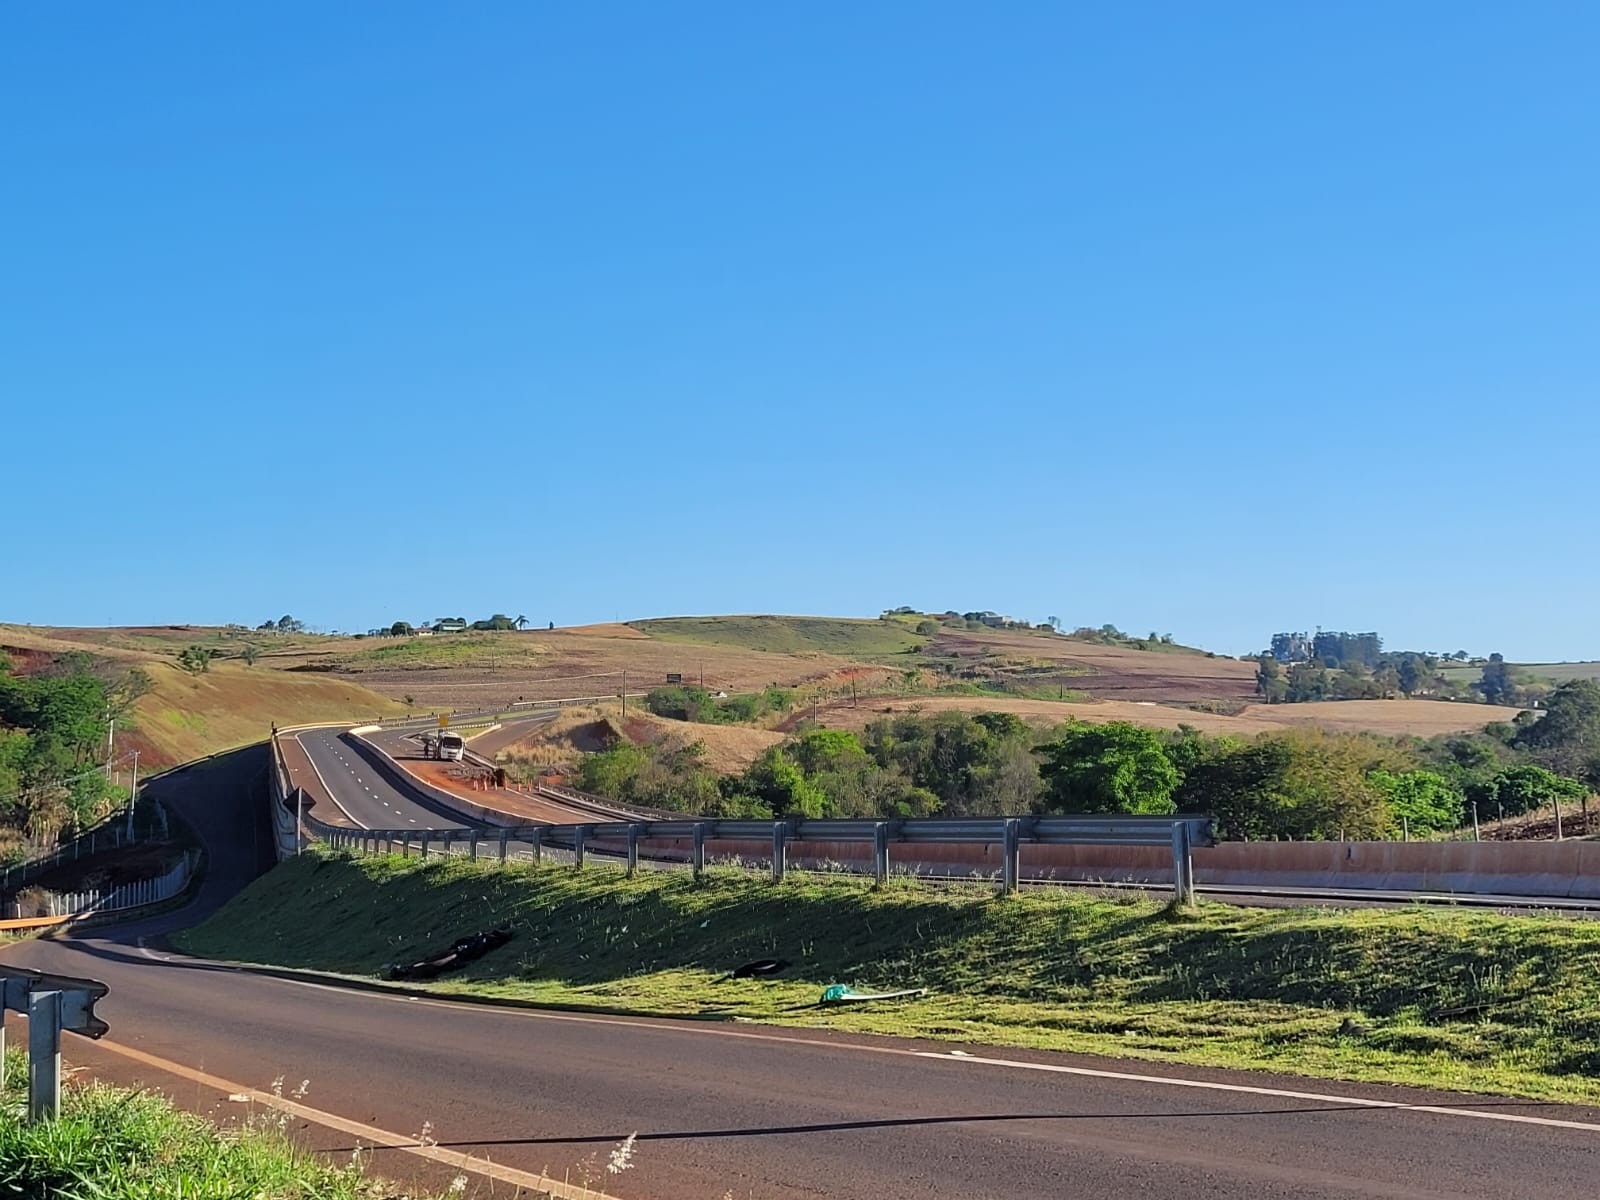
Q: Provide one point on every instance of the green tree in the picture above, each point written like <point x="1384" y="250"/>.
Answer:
<point x="1568" y="735"/>
<point x="779" y="784"/>
<point x="1426" y="800"/>
<point x="1522" y="789"/>
<point x="195" y="659"/>
<point x="401" y="629"/>
<point x="1496" y="685"/>
<point x="249" y="653"/>
<point x="1114" y="767"/>
<point x="1271" y="686"/>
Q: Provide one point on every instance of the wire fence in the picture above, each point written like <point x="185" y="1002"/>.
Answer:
<point x="137" y="894"/>
<point x="149" y="823"/>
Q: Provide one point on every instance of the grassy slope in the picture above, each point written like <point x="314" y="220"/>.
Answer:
<point x="843" y="636"/>
<point x="188" y="716"/>
<point x="122" y="1145"/>
<point x="1474" y="1001"/>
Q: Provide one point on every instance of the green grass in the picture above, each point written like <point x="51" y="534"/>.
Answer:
<point x="789" y="635"/>
<point x="1438" y="997"/>
<point x="114" y="1144"/>
<point x="446" y="650"/>
<point x="1541" y="672"/>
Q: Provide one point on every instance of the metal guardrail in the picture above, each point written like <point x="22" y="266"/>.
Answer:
<point x="52" y="1003"/>
<point x="1179" y="833"/>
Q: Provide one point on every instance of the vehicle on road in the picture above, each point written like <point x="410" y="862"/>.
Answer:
<point x="450" y="747"/>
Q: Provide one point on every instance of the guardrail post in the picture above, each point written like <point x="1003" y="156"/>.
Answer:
<point x="698" y="854"/>
<point x="579" y="835"/>
<point x="633" y="849"/>
<point x="1182" y="865"/>
<point x="423" y="843"/>
<point x="44" y="1055"/>
<point x="473" y="850"/>
<point x="780" y="849"/>
<point x="1011" y="850"/>
<point x="880" y="852"/>
<point x="405" y="843"/>
<point x="538" y="843"/>
<point x="504" y="836"/>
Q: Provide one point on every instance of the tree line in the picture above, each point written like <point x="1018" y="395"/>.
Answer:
<point x="53" y="733"/>
<point x="1302" y="784"/>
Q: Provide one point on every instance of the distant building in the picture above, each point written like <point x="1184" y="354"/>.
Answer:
<point x="1291" y="647"/>
<point x="450" y="626"/>
<point x="423" y="632"/>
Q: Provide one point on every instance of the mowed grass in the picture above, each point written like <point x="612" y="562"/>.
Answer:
<point x="1442" y="998"/>
<point x="115" y="1144"/>
<point x="840" y="636"/>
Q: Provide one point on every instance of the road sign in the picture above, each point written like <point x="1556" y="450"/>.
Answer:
<point x="674" y="678"/>
<point x="444" y="720"/>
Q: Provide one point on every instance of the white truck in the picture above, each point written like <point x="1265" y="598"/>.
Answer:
<point x="451" y="747"/>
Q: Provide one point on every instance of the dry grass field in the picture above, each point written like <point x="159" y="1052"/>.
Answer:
<point x="186" y="716"/>
<point x="1422" y="718"/>
<point x="590" y="727"/>
<point x="303" y="677"/>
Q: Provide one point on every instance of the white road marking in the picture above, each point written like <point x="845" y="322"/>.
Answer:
<point x="370" y="1134"/>
<point x="965" y="1058"/>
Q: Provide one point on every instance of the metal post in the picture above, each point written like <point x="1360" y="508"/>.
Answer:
<point x="473" y="846"/>
<point x="1182" y="865"/>
<point x="538" y="843"/>
<point x="133" y="795"/>
<point x="1011" y="850"/>
<point x="698" y="851"/>
<point x="44" y="1055"/>
<point x="504" y="836"/>
<point x="405" y="843"/>
<point x="1474" y="820"/>
<point x="424" y="843"/>
<point x="579" y="836"/>
<point x="299" y="820"/>
<point x="1405" y="829"/>
<point x="633" y="849"/>
<point x="880" y="853"/>
<point x="1557" y="806"/>
<point x="780" y="849"/>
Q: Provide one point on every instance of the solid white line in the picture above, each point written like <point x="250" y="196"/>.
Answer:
<point x="1249" y="1090"/>
<point x="370" y="1134"/>
<point x="965" y="1057"/>
<point x="324" y="784"/>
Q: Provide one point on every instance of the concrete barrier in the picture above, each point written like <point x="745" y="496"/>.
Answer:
<point x="1569" y="869"/>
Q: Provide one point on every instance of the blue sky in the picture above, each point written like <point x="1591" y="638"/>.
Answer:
<point x="1213" y="320"/>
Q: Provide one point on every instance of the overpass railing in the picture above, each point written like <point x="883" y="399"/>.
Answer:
<point x="629" y="839"/>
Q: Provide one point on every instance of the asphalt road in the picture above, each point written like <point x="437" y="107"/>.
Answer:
<point x="361" y="792"/>
<point x="762" y="1112"/>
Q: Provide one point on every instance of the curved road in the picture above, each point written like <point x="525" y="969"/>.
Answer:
<point x="754" y="1111"/>
<point x="360" y="791"/>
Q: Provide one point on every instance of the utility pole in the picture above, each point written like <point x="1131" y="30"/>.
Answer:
<point x="111" y="746"/>
<point x="133" y="794"/>
<point x="624" y="691"/>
